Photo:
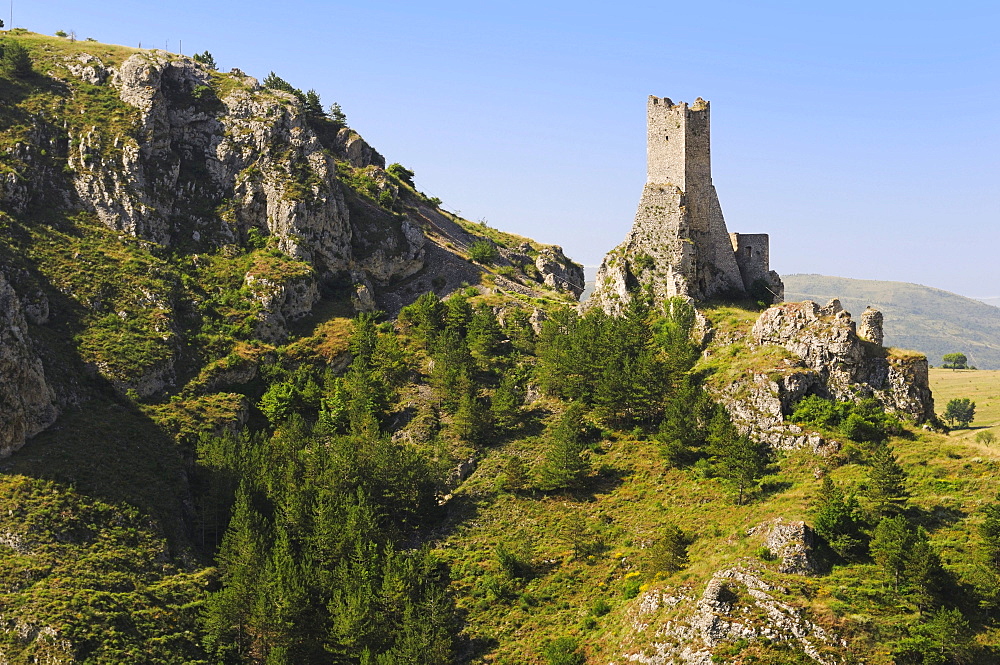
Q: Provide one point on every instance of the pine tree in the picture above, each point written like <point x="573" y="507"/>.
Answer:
<point x="484" y="337"/>
<point x="670" y="553"/>
<point x="565" y="464"/>
<point x="424" y="319"/>
<point x="471" y="419"/>
<point x="736" y="458"/>
<point x="514" y="476"/>
<point x="337" y="114"/>
<point x="206" y="59"/>
<point x="458" y="315"/>
<point x="885" y="489"/>
<point x="313" y="107"/>
<point x="229" y="612"/>
<point x="680" y="435"/>
<point x="836" y="519"/>
<point x="517" y="327"/>
<point x="922" y="570"/>
<point x="888" y="547"/>
<point x="507" y="401"/>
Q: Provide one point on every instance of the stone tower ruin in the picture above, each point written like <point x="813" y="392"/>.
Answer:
<point x="679" y="245"/>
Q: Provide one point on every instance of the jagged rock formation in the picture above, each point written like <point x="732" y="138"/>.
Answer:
<point x="558" y="272"/>
<point x="829" y="359"/>
<point x="231" y="211"/>
<point x="28" y="402"/>
<point x="729" y="610"/>
<point x="845" y="365"/>
<point x="679" y="245"/>
<point x="792" y="542"/>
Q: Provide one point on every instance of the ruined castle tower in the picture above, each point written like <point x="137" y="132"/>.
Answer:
<point x="679" y="245"/>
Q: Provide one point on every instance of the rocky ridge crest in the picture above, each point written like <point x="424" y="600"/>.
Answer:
<point x="829" y="359"/>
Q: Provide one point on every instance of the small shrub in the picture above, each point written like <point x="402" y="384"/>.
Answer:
<point x="564" y="651"/>
<point x="985" y="437"/>
<point x="483" y="252"/>
<point x="401" y="173"/>
<point x="600" y="607"/>
<point x="764" y="554"/>
<point x="514" y="564"/>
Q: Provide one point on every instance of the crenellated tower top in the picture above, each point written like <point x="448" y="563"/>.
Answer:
<point x="678" y="143"/>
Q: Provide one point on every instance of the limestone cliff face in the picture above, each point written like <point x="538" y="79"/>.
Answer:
<point x="558" y="272"/>
<point x="29" y="403"/>
<point x="847" y="366"/>
<point x="829" y="359"/>
<point x="196" y="165"/>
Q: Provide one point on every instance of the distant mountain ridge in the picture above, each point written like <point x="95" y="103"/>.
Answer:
<point x="917" y="317"/>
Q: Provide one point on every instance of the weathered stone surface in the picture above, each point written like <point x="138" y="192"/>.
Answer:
<point x="824" y="338"/>
<point x="558" y="272"/>
<point x="792" y="542"/>
<point x="357" y="150"/>
<point x="363" y="297"/>
<point x="871" y="326"/>
<point x="759" y="403"/>
<point x="721" y="616"/>
<point x="89" y="68"/>
<point x="282" y="302"/>
<point x="28" y="402"/>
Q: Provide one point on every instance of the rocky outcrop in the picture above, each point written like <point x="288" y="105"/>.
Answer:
<point x="792" y="543"/>
<point x="825" y="340"/>
<point x="201" y="165"/>
<point x="88" y="68"/>
<point x="737" y="604"/>
<point x="357" y="150"/>
<point x="759" y="403"/>
<point x="282" y="300"/>
<point x="558" y="272"/>
<point x="29" y="403"/>
<point x="829" y="359"/>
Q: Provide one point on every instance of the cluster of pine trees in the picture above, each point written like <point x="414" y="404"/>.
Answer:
<point x="873" y="521"/>
<point x="317" y="562"/>
<point x="319" y="521"/>
<point x="635" y="371"/>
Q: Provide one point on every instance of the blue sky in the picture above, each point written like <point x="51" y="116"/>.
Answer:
<point x="863" y="136"/>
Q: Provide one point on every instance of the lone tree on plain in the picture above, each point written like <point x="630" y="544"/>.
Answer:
<point x="960" y="410"/>
<point x="955" y="361"/>
<point x="986" y="437"/>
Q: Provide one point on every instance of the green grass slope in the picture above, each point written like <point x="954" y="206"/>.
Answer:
<point x="917" y="317"/>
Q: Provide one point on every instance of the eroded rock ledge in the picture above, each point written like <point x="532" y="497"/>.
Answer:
<point x="829" y="359"/>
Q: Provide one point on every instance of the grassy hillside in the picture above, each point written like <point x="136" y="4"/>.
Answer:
<point x="586" y="556"/>
<point x="916" y="317"/>
<point x="368" y="491"/>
